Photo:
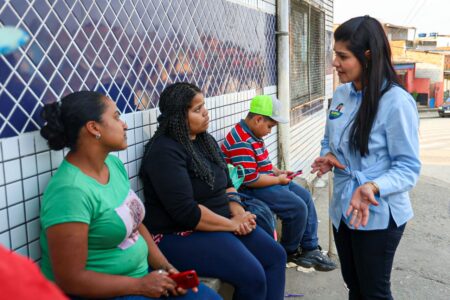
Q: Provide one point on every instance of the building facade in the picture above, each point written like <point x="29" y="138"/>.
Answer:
<point x="130" y="50"/>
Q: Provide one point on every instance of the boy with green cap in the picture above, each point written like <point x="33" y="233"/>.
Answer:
<point x="244" y="146"/>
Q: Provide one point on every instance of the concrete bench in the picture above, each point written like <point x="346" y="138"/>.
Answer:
<point x="224" y="289"/>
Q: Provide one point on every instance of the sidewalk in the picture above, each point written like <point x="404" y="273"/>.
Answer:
<point x="318" y="285"/>
<point x="422" y="262"/>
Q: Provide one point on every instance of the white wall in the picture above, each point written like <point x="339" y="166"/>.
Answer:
<point x="26" y="163"/>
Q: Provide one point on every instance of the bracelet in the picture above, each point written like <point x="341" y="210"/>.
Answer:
<point x="375" y="187"/>
<point x="166" y="267"/>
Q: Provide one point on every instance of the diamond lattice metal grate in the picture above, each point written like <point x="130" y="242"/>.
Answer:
<point x="129" y="50"/>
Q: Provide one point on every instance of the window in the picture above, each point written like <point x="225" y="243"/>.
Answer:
<point x="307" y="53"/>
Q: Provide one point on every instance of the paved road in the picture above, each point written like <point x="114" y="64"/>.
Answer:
<point x="435" y="147"/>
<point x="422" y="264"/>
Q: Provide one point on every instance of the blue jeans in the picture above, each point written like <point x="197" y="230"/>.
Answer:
<point x="295" y="207"/>
<point x="253" y="264"/>
<point x="204" y="293"/>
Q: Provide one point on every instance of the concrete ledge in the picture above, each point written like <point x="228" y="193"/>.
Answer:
<point x="213" y="283"/>
<point x="224" y="289"/>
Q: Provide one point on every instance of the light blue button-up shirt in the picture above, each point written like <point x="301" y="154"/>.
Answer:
<point x="393" y="160"/>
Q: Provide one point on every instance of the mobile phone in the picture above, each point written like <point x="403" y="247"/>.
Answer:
<point x="299" y="172"/>
<point x="186" y="279"/>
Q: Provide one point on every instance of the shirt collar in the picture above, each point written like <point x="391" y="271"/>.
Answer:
<point x="247" y="129"/>
<point x="353" y="91"/>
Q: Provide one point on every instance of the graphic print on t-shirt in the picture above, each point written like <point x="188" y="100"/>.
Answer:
<point x="132" y="213"/>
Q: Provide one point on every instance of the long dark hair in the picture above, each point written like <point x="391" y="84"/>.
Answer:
<point x="65" y="118"/>
<point x="377" y="76"/>
<point x="174" y="104"/>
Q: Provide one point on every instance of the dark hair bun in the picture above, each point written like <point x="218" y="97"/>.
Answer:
<point x="53" y="130"/>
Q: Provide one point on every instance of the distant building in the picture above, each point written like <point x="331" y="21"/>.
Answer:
<point x="419" y="62"/>
<point x="432" y="41"/>
<point x="400" y="33"/>
<point x="447" y="76"/>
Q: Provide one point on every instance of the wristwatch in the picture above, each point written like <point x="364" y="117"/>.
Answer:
<point x="374" y="186"/>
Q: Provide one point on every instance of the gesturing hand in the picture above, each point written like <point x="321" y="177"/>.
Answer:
<point x="359" y="205"/>
<point x="324" y="164"/>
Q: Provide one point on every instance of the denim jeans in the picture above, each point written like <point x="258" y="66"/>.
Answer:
<point x="204" y="293"/>
<point x="254" y="264"/>
<point x="294" y="206"/>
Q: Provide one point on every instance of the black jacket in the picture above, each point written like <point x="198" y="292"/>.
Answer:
<point x="172" y="192"/>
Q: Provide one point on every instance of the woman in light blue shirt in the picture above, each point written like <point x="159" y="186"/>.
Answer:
<point x="371" y="138"/>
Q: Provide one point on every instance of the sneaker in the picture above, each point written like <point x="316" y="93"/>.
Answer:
<point x="312" y="259"/>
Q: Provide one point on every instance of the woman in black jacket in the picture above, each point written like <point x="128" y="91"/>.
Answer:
<point x="189" y="212"/>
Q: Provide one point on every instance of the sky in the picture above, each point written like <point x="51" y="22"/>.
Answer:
<point x="426" y="15"/>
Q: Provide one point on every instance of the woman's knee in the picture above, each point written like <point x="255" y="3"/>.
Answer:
<point x="279" y="254"/>
<point x="274" y="254"/>
<point x="250" y="277"/>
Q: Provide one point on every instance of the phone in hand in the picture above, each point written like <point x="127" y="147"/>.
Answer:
<point x="186" y="279"/>
<point x="295" y="174"/>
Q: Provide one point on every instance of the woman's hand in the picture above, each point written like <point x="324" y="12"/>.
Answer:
<point x="359" y="205"/>
<point x="324" y="164"/>
<point x="157" y="284"/>
<point x="179" y="291"/>
<point x="244" y="223"/>
<point x="236" y="208"/>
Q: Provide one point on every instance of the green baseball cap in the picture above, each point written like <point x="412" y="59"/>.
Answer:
<point x="268" y="106"/>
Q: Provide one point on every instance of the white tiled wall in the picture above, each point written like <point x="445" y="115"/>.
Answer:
<point x="267" y="6"/>
<point x="26" y="166"/>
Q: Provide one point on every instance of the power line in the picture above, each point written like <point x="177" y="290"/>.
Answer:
<point x="413" y="16"/>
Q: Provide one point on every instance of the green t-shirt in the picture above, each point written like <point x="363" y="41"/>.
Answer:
<point x="112" y="210"/>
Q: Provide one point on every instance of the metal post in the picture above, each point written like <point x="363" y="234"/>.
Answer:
<point x="282" y="34"/>
<point x="331" y="246"/>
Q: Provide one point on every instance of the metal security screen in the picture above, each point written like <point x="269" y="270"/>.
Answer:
<point x="307" y="53"/>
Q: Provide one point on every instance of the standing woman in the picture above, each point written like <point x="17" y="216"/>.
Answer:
<point x="191" y="215"/>
<point x="93" y="242"/>
<point x="371" y="137"/>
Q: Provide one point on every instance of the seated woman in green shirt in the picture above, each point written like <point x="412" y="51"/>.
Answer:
<point x="93" y="242"/>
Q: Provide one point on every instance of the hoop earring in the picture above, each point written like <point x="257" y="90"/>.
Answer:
<point x="98" y="136"/>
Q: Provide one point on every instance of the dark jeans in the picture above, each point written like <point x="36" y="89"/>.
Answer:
<point x="254" y="264"/>
<point x="366" y="259"/>
<point x="295" y="207"/>
<point x="204" y="293"/>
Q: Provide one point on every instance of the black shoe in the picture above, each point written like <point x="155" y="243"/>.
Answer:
<point x="293" y="257"/>
<point x="312" y="259"/>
